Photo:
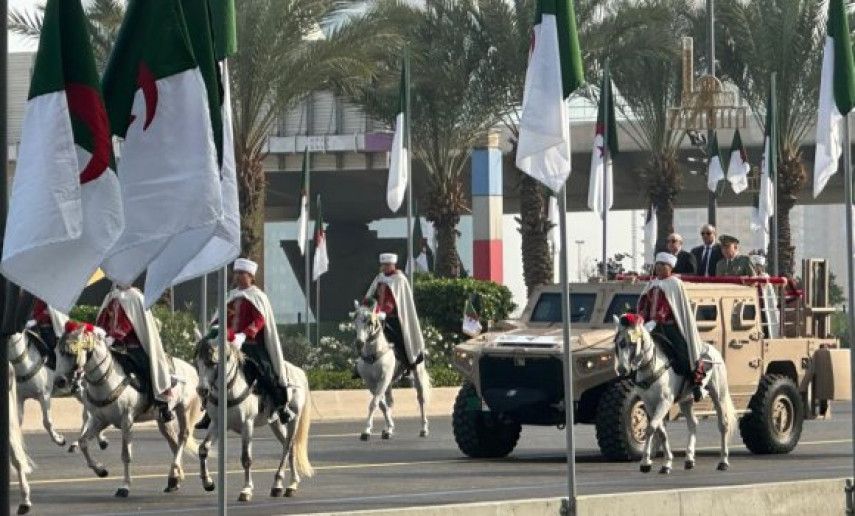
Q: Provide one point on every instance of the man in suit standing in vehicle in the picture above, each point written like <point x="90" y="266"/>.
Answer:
<point x="708" y="254"/>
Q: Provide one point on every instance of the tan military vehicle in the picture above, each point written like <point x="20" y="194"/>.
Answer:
<point x="783" y="366"/>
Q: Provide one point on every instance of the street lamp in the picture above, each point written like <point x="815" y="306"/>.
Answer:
<point x="579" y="259"/>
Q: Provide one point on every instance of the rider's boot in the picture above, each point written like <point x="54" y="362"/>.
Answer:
<point x="162" y="403"/>
<point x="286" y="415"/>
<point x="203" y="423"/>
<point x="698" y="376"/>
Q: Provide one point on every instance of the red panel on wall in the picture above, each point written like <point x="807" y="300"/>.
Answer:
<point x="487" y="260"/>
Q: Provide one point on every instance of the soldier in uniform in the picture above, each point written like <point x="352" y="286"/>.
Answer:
<point x="133" y="329"/>
<point x="732" y="263"/>
<point x="664" y="301"/>
<point x="49" y="324"/>
<point x="394" y="298"/>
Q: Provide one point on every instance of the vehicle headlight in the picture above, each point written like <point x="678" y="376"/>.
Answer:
<point x="464" y="359"/>
<point x="594" y="363"/>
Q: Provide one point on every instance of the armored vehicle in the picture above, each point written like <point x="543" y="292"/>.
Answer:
<point x="783" y="364"/>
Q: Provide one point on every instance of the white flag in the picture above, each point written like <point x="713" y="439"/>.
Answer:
<point x="650" y="233"/>
<point x="399" y="160"/>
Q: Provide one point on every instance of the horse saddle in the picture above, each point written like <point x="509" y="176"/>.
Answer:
<point x="138" y="373"/>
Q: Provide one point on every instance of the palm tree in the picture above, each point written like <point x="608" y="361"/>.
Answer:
<point x="451" y="105"/>
<point x="783" y="36"/>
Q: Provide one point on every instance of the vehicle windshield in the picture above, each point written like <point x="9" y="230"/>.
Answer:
<point x="621" y="304"/>
<point x="548" y="307"/>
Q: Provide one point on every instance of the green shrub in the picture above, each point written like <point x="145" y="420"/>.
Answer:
<point x="177" y="331"/>
<point x="440" y="301"/>
<point x="336" y="380"/>
<point x="84" y="313"/>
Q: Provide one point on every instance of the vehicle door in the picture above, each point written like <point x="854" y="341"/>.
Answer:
<point x="743" y="343"/>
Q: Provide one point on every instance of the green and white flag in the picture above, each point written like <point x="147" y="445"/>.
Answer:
<point x="420" y="245"/>
<point x="554" y="72"/>
<point x="715" y="170"/>
<point x="601" y="158"/>
<point x="471" y="320"/>
<point x="399" y="160"/>
<point x="321" y="263"/>
<point x="766" y="199"/>
<point x="161" y="92"/>
<point x="836" y="95"/>
<point x="65" y="211"/>
<point x="224" y="246"/>
<point x="738" y="168"/>
<point x="303" y="220"/>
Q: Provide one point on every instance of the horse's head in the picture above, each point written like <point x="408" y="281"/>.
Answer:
<point x="367" y="322"/>
<point x="76" y="347"/>
<point x="632" y="338"/>
<point x="206" y="356"/>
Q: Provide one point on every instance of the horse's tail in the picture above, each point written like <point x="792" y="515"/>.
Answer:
<point x="16" y="436"/>
<point x="301" y="438"/>
<point x="194" y="412"/>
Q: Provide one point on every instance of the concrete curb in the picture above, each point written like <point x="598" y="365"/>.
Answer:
<point x="779" y="498"/>
<point x="326" y="406"/>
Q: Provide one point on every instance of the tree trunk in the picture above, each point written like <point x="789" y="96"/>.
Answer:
<point x="447" y="263"/>
<point x="663" y="182"/>
<point x="534" y="226"/>
<point x="791" y="179"/>
<point x="444" y="206"/>
<point x="252" y="189"/>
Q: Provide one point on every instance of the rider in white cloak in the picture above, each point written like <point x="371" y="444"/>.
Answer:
<point x="49" y="324"/>
<point x="394" y="298"/>
<point x="665" y="302"/>
<point x="133" y="329"/>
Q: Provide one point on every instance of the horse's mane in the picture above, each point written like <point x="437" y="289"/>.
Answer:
<point x="204" y="345"/>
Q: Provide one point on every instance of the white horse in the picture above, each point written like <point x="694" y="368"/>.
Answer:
<point x="110" y="402"/>
<point x="248" y="410"/>
<point x="17" y="453"/>
<point x="660" y="387"/>
<point x="379" y="368"/>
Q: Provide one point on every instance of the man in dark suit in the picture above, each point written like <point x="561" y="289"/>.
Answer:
<point x="686" y="263"/>
<point x="708" y="254"/>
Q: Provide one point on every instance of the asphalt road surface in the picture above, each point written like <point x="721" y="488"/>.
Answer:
<point x="408" y="470"/>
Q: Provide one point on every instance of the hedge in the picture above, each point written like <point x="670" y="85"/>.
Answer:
<point x="320" y="379"/>
<point x="440" y="301"/>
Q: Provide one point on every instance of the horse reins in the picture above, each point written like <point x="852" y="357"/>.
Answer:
<point x="231" y="378"/>
<point x="370" y="359"/>
<point x="25" y="377"/>
<point x="657" y="373"/>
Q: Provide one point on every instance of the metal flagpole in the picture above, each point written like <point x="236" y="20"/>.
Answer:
<point x="568" y="364"/>
<point x="850" y="266"/>
<point x="318" y="312"/>
<point x="307" y="280"/>
<point x="605" y="95"/>
<point x="712" y="202"/>
<point x="773" y="157"/>
<point x="4" y="285"/>
<point x="203" y="305"/>
<point x="407" y="126"/>
<point x="222" y="407"/>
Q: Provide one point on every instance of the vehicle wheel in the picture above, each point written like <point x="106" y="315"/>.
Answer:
<point x="621" y="422"/>
<point x="775" y="415"/>
<point x="481" y="434"/>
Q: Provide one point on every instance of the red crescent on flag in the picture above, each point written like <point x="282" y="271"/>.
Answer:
<point x="85" y="105"/>
<point x="147" y="83"/>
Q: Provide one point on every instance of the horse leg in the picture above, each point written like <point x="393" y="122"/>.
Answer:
<point x="716" y="394"/>
<point x="204" y="448"/>
<point x="687" y="408"/>
<point x="26" y="504"/>
<point x="127" y="434"/>
<point x="246" y="460"/>
<point x="656" y="420"/>
<point x="422" y="385"/>
<point x="372" y="408"/>
<point x="386" y="409"/>
<point x="176" y="472"/>
<point x="94" y="427"/>
<point x="295" y="475"/>
<point x="666" y="448"/>
<point x="173" y="477"/>
<point x="284" y="438"/>
<point x="47" y="421"/>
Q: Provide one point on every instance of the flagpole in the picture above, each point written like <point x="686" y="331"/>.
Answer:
<point x="850" y="266"/>
<point x="606" y="122"/>
<point x="568" y="364"/>
<point x="222" y="406"/>
<point x="773" y="157"/>
<point x="407" y="126"/>
<point x="318" y="312"/>
<point x="203" y="305"/>
<point x="307" y="280"/>
<point x="4" y="285"/>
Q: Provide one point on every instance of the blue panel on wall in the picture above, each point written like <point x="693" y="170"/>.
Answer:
<point x="486" y="172"/>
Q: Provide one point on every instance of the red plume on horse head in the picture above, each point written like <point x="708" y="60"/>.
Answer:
<point x="71" y="325"/>
<point x="631" y="319"/>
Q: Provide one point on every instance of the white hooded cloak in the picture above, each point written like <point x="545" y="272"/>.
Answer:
<point x="400" y="288"/>
<point x="683" y="313"/>
<point x="259" y="300"/>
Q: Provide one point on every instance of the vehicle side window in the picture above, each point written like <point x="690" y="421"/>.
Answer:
<point x="548" y="307"/>
<point x="706" y="313"/>
<point x="621" y="304"/>
<point x="749" y="312"/>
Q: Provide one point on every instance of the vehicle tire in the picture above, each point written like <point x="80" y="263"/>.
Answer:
<point x="481" y="434"/>
<point x="621" y="422"/>
<point x="773" y="423"/>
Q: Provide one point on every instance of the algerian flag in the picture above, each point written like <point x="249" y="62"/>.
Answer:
<point x="161" y="93"/>
<point x="738" y="169"/>
<point x="554" y="72"/>
<point x="420" y="246"/>
<point x="766" y="200"/>
<point x="650" y="233"/>
<point x="303" y="220"/>
<point x="321" y="263"/>
<point x="836" y="95"/>
<point x="601" y="158"/>
<point x="224" y="246"/>
<point x="65" y="212"/>
<point x="759" y="225"/>
<point x="715" y="170"/>
<point x="399" y="161"/>
<point x="471" y="320"/>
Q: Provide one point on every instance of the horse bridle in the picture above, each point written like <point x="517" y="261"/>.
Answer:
<point x="22" y="378"/>
<point x="231" y="378"/>
<point x="372" y="336"/>
<point x="657" y="373"/>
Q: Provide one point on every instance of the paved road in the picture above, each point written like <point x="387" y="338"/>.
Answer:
<point x="411" y="471"/>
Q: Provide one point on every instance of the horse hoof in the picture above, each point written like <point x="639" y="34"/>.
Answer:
<point x="172" y="485"/>
<point x="723" y="466"/>
<point x="364" y="436"/>
<point x="646" y="468"/>
<point x="690" y="464"/>
<point x="276" y="492"/>
<point x="122" y="492"/>
<point x="665" y="470"/>
<point x="209" y="486"/>
<point x="244" y="497"/>
<point x="423" y="433"/>
<point x="72" y="448"/>
<point x="24" y="509"/>
<point x="102" y="472"/>
<point x="61" y="442"/>
<point x="103" y="444"/>
<point x="290" y="492"/>
<point x="386" y="435"/>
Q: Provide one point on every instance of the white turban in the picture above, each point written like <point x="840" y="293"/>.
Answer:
<point x="668" y="258"/>
<point x="244" y="265"/>
<point x="388" y="258"/>
<point x="758" y="259"/>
